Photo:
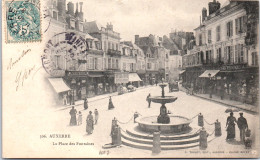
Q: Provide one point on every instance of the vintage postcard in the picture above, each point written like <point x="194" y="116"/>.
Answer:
<point x="130" y="79"/>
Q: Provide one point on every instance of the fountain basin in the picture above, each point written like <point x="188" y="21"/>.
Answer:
<point x="163" y="100"/>
<point x="178" y="124"/>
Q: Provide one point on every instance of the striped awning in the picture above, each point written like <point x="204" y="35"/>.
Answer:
<point x="58" y="85"/>
<point x="209" y="73"/>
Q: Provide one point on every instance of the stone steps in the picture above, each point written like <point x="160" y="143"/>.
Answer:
<point x="138" y="139"/>
<point x="143" y="135"/>
<point x="163" y="147"/>
<point x="188" y="140"/>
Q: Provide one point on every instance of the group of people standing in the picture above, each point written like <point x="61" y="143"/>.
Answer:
<point x="242" y="125"/>
<point x="76" y="119"/>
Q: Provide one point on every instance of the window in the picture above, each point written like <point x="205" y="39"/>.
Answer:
<point x="95" y="63"/>
<point x="124" y="66"/>
<point x="90" y="44"/>
<point x="218" y="33"/>
<point x="209" y="36"/>
<point x="109" y="45"/>
<point x="113" y="46"/>
<point x="117" y="47"/>
<point x="241" y="24"/>
<point x="230" y="29"/>
<point x="239" y="53"/>
<point x="149" y="66"/>
<point x="254" y="59"/>
<point x="229" y="55"/>
<point x="114" y="63"/>
<point x="91" y="63"/>
<point x="200" y="39"/>
<point x="117" y="64"/>
<point x="109" y="63"/>
<point x="219" y="58"/>
<point x="105" y="45"/>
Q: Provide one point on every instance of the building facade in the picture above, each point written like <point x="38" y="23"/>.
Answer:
<point x="223" y="53"/>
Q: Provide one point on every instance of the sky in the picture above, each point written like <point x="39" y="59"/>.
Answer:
<point x="144" y="17"/>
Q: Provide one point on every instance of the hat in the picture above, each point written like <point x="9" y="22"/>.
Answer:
<point x="241" y="113"/>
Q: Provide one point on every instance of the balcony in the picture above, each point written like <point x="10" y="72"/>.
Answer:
<point x="95" y="52"/>
<point x="112" y="52"/>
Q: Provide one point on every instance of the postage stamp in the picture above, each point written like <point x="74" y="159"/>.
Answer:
<point x="23" y="23"/>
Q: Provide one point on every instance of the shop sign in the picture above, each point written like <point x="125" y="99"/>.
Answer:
<point x="233" y="67"/>
<point x="121" y="78"/>
<point x="77" y="73"/>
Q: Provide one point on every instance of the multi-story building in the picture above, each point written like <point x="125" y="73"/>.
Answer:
<point x="222" y="60"/>
<point x="155" y="55"/>
<point x="110" y="44"/>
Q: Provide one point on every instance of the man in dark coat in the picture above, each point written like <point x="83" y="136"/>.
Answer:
<point x="85" y="103"/>
<point x="148" y="100"/>
<point x="242" y="125"/>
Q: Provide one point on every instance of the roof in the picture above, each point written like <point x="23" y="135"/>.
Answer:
<point x="92" y="27"/>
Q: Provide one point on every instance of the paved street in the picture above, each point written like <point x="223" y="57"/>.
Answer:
<point x="125" y="106"/>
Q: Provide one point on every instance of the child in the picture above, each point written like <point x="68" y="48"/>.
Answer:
<point x="79" y="118"/>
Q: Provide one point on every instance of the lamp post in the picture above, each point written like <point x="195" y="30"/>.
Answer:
<point x="210" y="86"/>
<point x="73" y="82"/>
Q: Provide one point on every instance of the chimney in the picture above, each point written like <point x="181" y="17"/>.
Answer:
<point x="137" y="39"/>
<point x="62" y="7"/>
<point x="204" y="14"/>
<point x="81" y="13"/>
<point x="77" y="10"/>
<point x="80" y="3"/>
<point x="213" y="6"/>
<point x="71" y="8"/>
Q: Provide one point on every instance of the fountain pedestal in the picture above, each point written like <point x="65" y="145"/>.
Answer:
<point x="163" y="117"/>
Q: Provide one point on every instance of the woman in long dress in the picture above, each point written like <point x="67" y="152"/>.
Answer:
<point x="73" y="119"/>
<point x="231" y="133"/>
<point x="90" y="123"/>
<point x="110" y="104"/>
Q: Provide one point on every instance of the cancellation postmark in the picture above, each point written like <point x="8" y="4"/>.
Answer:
<point x="70" y="47"/>
<point x="23" y="22"/>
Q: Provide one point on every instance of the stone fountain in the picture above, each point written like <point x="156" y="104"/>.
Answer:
<point x="164" y="122"/>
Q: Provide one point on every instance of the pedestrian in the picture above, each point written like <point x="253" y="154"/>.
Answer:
<point x="96" y="116"/>
<point x="110" y="104"/>
<point x="73" y="119"/>
<point x="70" y="98"/>
<point x="65" y="99"/>
<point x="90" y="123"/>
<point x="242" y="125"/>
<point x="231" y="133"/>
<point x="85" y="103"/>
<point x="156" y="82"/>
<point x="79" y="118"/>
<point x="79" y="95"/>
<point x="148" y="99"/>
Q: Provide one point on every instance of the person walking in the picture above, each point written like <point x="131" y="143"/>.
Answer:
<point x="85" y="103"/>
<point x="90" y="123"/>
<point x="70" y="98"/>
<point x="148" y="99"/>
<point x="79" y="118"/>
<point x="242" y="125"/>
<point x="96" y="116"/>
<point x="65" y="99"/>
<point x="110" y="104"/>
<point x="231" y="133"/>
<point x="73" y="119"/>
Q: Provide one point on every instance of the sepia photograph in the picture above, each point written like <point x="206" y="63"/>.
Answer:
<point x="130" y="79"/>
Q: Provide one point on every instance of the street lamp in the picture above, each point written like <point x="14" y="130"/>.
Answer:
<point x="73" y="82"/>
<point x="210" y="86"/>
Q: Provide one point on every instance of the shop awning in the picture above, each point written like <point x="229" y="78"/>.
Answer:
<point x="207" y="72"/>
<point x="133" y="77"/>
<point x="182" y="71"/>
<point x="95" y="75"/>
<point x="58" y="85"/>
